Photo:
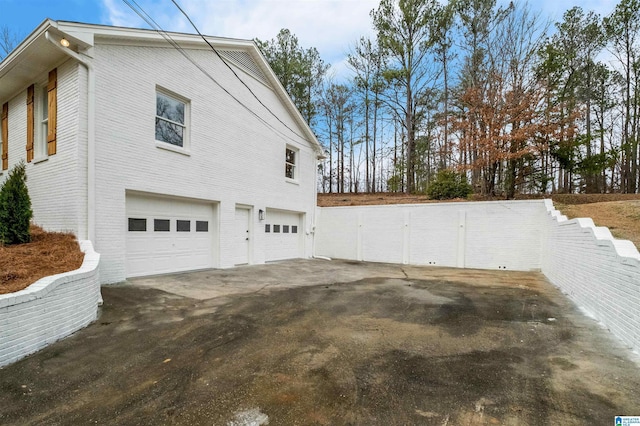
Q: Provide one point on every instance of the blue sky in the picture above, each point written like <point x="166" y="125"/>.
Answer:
<point x="331" y="26"/>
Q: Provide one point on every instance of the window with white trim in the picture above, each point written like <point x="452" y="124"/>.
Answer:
<point x="171" y="119"/>
<point x="291" y="163"/>
<point x="42" y="105"/>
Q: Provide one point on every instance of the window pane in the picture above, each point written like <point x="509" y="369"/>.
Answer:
<point x="294" y="229"/>
<point x="267" y="228"/>
<point x="202" y="226"/>
<point x="161" y="225"/>
<point x="137" y="225"/>
<point x="169" y="108"/>
<point x="285" y="229"/>
<point x="169" y="132"/>
<point x="291" y="156"/>
<point x="276" y="228"/>
<point x="45" y="104"/>
<point x="288" y="171"/>
<point x="183" y="225"/>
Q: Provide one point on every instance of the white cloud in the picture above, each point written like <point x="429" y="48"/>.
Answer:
<point x="331" y="26"/>
<point x="116" y="13"/>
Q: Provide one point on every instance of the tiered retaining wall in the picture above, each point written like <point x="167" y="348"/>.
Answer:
<point x="598" y="272"/>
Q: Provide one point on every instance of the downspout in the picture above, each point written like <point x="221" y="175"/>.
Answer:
<point x="315" y="214"/>
<point x="91" y="155"/>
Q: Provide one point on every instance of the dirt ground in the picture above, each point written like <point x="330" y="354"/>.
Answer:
<point x="312" y="342"/>
<point x="363" y="199"/>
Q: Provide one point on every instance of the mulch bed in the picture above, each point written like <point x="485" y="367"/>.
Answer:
<point x="48" y="253"/>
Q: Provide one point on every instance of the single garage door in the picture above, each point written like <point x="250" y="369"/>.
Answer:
<point x="283" y="231"/>
<point x="168" y="235"/>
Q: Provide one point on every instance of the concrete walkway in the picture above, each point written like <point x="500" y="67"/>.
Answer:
<point x="329" y="343"/>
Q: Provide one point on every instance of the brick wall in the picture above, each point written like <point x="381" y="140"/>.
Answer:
<point x="233" y="158"/>
<point x="599" y="273"/>
<point x="486" y="235"/>
<point x="57" y="183"/>
<point x="50" y="309"/>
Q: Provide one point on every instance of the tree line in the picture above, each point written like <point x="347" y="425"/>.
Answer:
<point x="496" y="94"/>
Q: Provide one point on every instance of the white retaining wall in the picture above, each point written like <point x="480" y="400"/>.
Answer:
<point x="599" y="273"/>
<point x="50" y="309"/>
<point x="485" y="235"/>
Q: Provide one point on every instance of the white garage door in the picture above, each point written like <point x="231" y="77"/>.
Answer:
<point x="283" y="232"/>
<point x="168" y="235"/>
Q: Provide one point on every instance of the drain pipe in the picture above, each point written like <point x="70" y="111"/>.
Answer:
<point x="91" y="154"/>
<point x="313" y="224"/>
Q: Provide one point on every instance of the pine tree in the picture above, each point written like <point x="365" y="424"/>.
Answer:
<point x="15" y="207"/>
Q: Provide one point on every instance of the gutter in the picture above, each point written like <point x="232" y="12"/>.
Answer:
<point x="91" y="153"/>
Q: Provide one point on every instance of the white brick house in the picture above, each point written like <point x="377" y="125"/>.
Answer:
<point x="166" y="164"/>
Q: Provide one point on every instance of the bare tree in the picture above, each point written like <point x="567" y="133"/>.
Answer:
<point x="8" y="41"/>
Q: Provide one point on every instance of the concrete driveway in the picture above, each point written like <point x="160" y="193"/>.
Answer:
<point x="329" y="343"/>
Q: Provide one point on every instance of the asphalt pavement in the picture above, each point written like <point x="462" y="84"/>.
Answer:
<point x="314" y="342"/>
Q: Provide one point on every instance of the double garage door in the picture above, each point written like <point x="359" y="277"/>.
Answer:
<point x="168" y="235"/>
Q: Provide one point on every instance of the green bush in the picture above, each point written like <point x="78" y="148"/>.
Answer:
<point x="15" y="208"/>
<point x="449" y="185"/>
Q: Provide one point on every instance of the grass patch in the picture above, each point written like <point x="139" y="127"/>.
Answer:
<point x="621" y="217"/>
<point x="48" y="253"/>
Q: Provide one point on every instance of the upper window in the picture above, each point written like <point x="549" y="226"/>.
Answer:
<point x="291" y="163"/>
<point x="171" y="119"/>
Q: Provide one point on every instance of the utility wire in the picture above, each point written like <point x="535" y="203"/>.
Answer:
<point x="133" y="5"/>
<point x="232" y="70"/>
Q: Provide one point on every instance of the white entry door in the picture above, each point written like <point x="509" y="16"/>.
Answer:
<point x="241" y="236"/>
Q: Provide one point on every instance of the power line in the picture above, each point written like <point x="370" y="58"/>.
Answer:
<point x="230" y="68"/>
<point x="154" y="25"/>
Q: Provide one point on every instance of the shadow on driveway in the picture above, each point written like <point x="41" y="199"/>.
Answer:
<point x="329" y="343"/>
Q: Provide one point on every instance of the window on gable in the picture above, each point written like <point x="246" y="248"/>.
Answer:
<point x="171" y="119"/>
<point x="291" y="163"/>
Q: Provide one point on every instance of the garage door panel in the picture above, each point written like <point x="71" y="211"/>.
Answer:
<point x="154" y="252"/>
<point x="282" y="245"/>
